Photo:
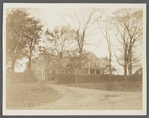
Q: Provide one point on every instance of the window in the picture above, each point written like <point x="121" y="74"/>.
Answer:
<point x="42" y="74"/>
<point x="98" y="64"/>
<point x="92" y="71"/>
<point x="95" y="64"/>
<point x="86" y="65"/>
<point x="92" y="64"/>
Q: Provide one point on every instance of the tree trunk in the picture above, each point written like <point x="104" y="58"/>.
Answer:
<point x="109" y="49"/>
<point x="30" y="59"/>
<point x="130" y="69"/>
<point x="130" y="62"/>
<point x="125" y="66"/>
<point x="60" y="55"/>
<point x="29" y="64"/>
<point x="110" y="62"/>
<point x="125" y="71"/>
<point x="80" y="59"/>
<point x="13" y="64"/>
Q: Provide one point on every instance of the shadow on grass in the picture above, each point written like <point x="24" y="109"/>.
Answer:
<point x="24" y="92"/>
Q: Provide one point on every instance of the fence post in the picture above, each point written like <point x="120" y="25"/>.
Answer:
<point x="76" y="78"/>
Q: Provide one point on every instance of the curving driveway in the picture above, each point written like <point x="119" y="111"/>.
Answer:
<point x="89" y="99"/>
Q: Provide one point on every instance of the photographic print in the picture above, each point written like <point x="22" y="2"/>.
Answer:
<point x="74" y="59"/>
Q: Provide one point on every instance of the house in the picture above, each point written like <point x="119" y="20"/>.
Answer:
<point x="46" y="67"/>
<point x="95" y="64"/>
<point x="138" y="72"/>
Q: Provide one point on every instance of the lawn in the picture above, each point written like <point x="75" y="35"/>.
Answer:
<point x="26" y="95"/>
<point x="135" y="86"/>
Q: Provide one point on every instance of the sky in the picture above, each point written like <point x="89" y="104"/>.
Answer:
<point x="53" y="15"/>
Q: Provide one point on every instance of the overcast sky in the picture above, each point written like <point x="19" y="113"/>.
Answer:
<point x="52" y="15"/>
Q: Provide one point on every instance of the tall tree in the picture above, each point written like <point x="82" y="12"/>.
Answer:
<point x="80" y="21"/>
<point x="33" y="37"/>
<point x="129" y="30"/>
<point x="16" y="21"/>
<point x="135" y="32"/>
<point x="105" y="28"/>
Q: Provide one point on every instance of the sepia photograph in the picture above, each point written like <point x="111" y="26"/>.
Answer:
<point x="74" y="59"/>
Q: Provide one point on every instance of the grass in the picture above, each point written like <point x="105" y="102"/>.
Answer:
<point x="112" y="86"/>
<point x="27" y="95"/>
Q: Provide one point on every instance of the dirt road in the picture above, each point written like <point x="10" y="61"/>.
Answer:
<point x="90" y="99"/>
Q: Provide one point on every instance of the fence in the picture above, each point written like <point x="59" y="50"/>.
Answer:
<point x="72" y="78"/>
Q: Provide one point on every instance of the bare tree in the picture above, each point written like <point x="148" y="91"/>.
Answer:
<point x="105" y="28"/>
<point x="128" y="24"/>
<point x="135" y="32"/>
<point x="81" y="21"/>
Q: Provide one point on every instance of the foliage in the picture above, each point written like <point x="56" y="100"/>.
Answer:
<point x="16" y="21"/>
<point x="74" y="65"/>
<point x="108" y="70"/>
<point x="32" y="35"/>
<point x="61" y="40"/>
<point x="22" y="34"/>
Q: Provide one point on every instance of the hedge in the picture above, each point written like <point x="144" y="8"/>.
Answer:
<point x="71" y="78"/>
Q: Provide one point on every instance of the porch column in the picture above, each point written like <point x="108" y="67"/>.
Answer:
<point x="44" y="75"/>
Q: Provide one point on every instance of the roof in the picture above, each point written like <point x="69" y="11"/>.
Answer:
<point x="92" y="56"/>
